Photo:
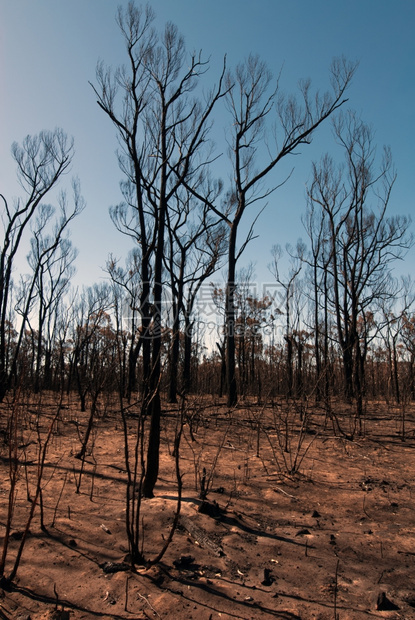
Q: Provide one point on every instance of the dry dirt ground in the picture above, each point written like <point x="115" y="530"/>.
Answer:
<point x="323" y="543"/>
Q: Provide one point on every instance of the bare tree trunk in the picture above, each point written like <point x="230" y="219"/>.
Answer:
<point x="230" y="322"/>
<point x="187" y="361"/>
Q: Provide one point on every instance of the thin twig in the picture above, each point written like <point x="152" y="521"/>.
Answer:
<point x="149" y="604"/>
<point x="284" y="492"/>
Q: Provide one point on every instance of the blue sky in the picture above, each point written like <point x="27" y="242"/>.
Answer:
<point x="49" y="50"/>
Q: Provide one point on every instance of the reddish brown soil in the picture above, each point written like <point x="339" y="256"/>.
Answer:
<point x="327" y="540"/>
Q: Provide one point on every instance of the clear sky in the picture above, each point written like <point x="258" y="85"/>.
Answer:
<point x="48" y="54"/>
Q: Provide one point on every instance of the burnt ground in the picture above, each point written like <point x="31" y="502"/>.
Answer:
<point x="323" y="542"/>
